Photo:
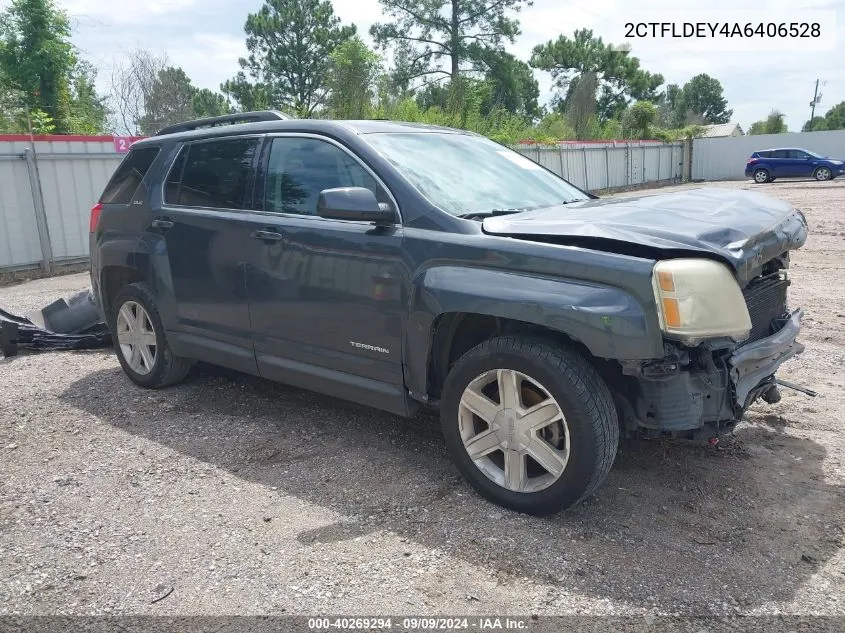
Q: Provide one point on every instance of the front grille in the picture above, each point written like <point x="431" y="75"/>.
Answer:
<point x="765" y="298"/>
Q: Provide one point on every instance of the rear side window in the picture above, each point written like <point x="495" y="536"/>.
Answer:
<point x="126" y="180"/>
<point x="212" y="174"/>
<point x="780" y="153"/>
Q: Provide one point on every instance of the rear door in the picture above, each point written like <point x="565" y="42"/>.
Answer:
<point x="202" y="224"/>
<point x="781" y="164"/>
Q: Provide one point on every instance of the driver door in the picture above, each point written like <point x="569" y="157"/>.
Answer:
<point x="325" y="295"/>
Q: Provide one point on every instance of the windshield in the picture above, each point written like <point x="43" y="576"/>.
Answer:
<point x="465" y="175"/>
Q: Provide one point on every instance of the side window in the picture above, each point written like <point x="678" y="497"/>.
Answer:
<point x="215" y="174"/>
<point x="797" y="153"/>
<point x="126" y="180"/>
<point x="300" y="168"/>
<point x="780" y="153"/>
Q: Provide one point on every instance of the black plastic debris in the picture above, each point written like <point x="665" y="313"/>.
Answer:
<point x="69" y="323"/>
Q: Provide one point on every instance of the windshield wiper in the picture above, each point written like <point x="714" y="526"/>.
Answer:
<point x="488" y="214"/>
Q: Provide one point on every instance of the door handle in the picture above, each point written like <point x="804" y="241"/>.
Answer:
<point x="267" y="236"/>
<point x="161" y="223"/>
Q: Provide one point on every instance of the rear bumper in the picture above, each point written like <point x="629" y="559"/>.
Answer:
<point x="752" y="364"/>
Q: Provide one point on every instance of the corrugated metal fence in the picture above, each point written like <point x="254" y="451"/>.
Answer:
<point x="46" y="192"/>
<point x="610" y="165"/>
<point x="724" y="158"/>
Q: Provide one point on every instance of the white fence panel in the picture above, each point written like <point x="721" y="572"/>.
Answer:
<point x="724" y="158"/>
<point x="19" y="244"/>
<point x="611" y="165"/>
<point x="72" y="173"/>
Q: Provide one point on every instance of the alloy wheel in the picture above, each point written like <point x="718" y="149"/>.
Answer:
<point x="136" y="337"/>
<point x="514" y="430"/>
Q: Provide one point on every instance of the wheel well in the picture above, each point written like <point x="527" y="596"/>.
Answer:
<point x="113" y="279"/>
<point x="455" y="333"/>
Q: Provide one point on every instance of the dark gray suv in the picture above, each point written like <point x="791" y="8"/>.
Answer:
<point x="400" y="266"/>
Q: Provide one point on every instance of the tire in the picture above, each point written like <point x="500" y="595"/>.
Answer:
<point x="584" y="445"/>
<point x="165" y="368"/>
<point x="823" y="173"/>
<point x="761" y="176"/>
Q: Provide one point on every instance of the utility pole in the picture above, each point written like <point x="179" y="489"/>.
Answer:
<point x="816" y="99"/>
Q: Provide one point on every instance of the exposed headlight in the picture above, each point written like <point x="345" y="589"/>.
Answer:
<point x="837" y="162"/>
<point x="699" y="299"/>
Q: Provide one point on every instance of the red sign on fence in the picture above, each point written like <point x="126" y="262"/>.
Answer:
<point x="123" y="143"/>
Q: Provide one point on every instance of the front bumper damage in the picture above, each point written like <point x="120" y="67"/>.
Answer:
<point x="701" y="390"/>
<point x="752" y="365"/>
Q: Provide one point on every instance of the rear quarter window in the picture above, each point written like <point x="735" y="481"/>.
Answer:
<point x="128" y="176"/>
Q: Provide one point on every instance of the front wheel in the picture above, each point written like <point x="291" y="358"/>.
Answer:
<point x="823" y="173"/>
<point x="761" y="176"/>
<point x="531" y="425"/>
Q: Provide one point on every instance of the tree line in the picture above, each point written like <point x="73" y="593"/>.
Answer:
<point x="447" y="65"/>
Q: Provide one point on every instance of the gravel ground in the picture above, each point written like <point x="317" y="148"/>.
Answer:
<point x="244" y="496"/>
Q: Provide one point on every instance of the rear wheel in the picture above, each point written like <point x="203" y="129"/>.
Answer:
<point x="761" y="176"/>
<point x="529" y="424"/>
<point x="823" y="173"/>
<point x="140" y="342"/>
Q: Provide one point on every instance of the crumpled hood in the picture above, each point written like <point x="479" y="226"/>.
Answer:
<point x="745" y="229"/>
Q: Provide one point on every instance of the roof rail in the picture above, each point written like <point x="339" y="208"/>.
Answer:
<point x="226" y="119"/>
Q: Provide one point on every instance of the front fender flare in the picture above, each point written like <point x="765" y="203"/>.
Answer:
<point x="609" y="321"/>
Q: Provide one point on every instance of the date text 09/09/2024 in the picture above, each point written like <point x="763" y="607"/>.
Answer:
<point x="479" y="623"/>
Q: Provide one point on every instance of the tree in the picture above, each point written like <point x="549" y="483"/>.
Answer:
<point x="581" y="104"/>
<point x="169" y="101"/>
<point x="618" y="74"/>
<point x="834" y="119"/>
<point x="87" y="111"/>
<point x="351" y="77"/>
<point x="816" y="124"/>
<point x="702" y="95"/>
<point x="290" y="44"/>
<point x="132" y="83"/>
<point x="206" y="103"/>
<point x="36" y="56"/>
<point x="513" y="86"/>
<point x="773" y="124"/>
<point x="638" y="120"/>
<point x="429" y="32"/>
<point x="668" y="110"/>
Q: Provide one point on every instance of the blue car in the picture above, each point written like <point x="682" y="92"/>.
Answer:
<point x="768" y="164"/>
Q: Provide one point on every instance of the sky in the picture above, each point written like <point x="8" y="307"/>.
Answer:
<point x="205" y="38"/>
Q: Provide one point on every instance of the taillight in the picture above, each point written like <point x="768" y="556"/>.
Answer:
<point x="751" y="160"/>
<point x="95" y="217"/>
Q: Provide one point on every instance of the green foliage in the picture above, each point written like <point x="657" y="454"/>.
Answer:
<point x="619" y="76"/>
<point x="290" y="44"/>
<point x="700" y="97"/>
<point x="512" y="85"/>
<point x="41" y="122"/>
<point x="170" y="100"/>
<point x="638" y="120"/>
<point x="425" y="33"/>
<point x="773" y="124"/>
<point x="206" y="103"/>
<point x="351" y="77"/>
<point x="42" y="70"/>
<point x="834" y="119"/>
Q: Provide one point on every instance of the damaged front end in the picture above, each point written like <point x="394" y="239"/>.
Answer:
<point x="707" y="388"/>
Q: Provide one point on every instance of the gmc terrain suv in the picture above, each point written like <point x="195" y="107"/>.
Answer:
<point x="400" y="265"/>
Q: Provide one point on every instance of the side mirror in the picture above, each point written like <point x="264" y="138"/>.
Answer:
<point x="353" y="203"/>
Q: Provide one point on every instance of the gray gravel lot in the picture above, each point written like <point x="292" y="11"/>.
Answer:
<point x="244" y="496"/>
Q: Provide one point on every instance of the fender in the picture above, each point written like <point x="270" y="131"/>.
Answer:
<point x="152" y="261"/>
<point x="610" y="322"/>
